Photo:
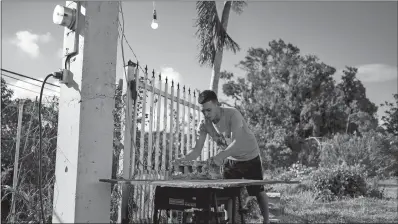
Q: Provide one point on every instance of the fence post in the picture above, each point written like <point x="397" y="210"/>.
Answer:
<point x="16" y="159"/>
<point x="177" y="133"/>
<point x="157" y="153"/>
<point x="189" y="133"/>
<point x="183" y="151"/>
<point x="117" y="133"/>
<point x="193" y="133"/>
<point x="171" y="145"/>
<point x="123" y="218"/>
<point x="164" y="145"/>
<point x="133" y="171"/>
<point x="150" y="146"/>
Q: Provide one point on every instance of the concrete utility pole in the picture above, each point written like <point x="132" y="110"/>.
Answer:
<point x="85" y="128"/>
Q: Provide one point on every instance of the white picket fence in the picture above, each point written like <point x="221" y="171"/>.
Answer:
<point x="164" y="135"/>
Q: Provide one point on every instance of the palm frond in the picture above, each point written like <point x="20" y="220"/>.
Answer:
<point x="210" y="32"/>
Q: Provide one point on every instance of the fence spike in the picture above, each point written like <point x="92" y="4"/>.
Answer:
<point x="189" y="90"/>
<point x="183" y="89"/>
<point x="146" y="69"/>
<point x="153" y="73"/>
<point x="130" y="63"/>
<point x="194" y="93"/>
<point x="166" y="79"/>
<point x="160" y="77"/>
<point x="172" y="82"/>
<point x="178" y="85"/>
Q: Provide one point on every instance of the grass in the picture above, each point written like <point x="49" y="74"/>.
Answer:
<point x="300" y="206"/>
<point x="358" y="210"/>
<point x="390" y="188"/>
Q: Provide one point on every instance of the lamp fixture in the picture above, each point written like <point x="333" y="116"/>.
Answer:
<point x="154" y="23"/>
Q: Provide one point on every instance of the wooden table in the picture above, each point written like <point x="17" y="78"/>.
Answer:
<point x="201" y="194"/>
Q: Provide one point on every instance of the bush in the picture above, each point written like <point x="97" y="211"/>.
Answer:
<point x="276" y="155"/>
<point x="373" y="151"/>
<point x="339" y="182"/>
<point x="296" y="171"/>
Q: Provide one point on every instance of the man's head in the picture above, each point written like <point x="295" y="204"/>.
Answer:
<point x="209" y="105"/>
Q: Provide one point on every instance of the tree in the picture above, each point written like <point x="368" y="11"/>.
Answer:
<point x="360" y="112"/>
<point x="213" y="36"/>
<point x="391" y="118"/>
<point x="287" y="97"/>
<point x="286" y="89"/>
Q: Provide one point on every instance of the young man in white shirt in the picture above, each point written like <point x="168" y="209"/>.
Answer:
<point x="241" y="155"/>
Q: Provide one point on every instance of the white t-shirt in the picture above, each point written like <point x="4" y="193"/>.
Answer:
<point x="232" y="126"/>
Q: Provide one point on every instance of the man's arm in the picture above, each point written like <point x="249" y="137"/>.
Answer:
<point x="197" y="150"/>
<point x="237" y="130"/>
<point x="200" y="141"/>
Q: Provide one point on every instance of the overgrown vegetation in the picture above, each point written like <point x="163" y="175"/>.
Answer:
<point x="308" y="127"/>
<point x="27" y="193"/>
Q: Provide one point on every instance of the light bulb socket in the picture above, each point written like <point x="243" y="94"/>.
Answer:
<point x="154" y="14"/>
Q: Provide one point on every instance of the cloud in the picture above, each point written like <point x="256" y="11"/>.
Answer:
<point x="171" y="74"/>
<point x="372" y="73"/>
<point x="28" y="42"/>
<point x="376" y="73"/>
<point x="45" y="38"/>
<point x="26" y="90"/>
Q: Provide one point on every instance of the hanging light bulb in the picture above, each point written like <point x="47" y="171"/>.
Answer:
<point x="154" y="23"/>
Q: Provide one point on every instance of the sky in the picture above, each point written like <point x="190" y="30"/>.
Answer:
<point x="359" y="34"/>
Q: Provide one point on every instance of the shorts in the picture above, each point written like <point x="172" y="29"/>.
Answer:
<point x="251" y="169"/>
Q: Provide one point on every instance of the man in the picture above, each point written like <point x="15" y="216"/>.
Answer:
<point x="242" y="154"/>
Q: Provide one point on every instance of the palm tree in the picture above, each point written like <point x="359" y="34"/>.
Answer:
<point x="213" y="36"/>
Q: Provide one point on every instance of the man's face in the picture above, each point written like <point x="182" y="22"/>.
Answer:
<point x="209" y="110"/>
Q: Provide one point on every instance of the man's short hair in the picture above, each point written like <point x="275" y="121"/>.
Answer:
<point x="206" y="96"/>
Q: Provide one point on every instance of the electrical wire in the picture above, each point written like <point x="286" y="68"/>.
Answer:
<point x="40" y="150"/>
<point x="18" y="74"/>
<point x="121" y="43"/>
<point x="128" y="44"/>
<point x="124" y="62"/>
<point x="123" y="35"/>
<point x="27" y="82"/>
<point x="26" y="89"/>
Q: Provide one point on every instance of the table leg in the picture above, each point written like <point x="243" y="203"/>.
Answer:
<point x="155" y="215"/>
<point x="215" y="207"/>
<point x="233" y="209"/>
<point x="184" y="217"/>
<point x="240" y="209"/>
<point x="208" y="218"/>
